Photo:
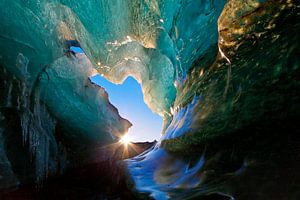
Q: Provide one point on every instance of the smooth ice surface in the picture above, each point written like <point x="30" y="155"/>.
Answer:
<point x="128" y="98"/>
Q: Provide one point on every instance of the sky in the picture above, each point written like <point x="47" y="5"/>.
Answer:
<point x="128" y="99"/>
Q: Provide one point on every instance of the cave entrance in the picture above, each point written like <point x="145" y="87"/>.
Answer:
<point x="128" y="98"/>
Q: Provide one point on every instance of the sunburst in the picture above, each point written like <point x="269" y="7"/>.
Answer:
<point x="125" y="140"/>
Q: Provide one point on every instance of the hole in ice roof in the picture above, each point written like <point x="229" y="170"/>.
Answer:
<point x="73" y="43"/>
<point x="73" y="46"/>
<point x="76" y="49"/>
<point x="128" y="98"/>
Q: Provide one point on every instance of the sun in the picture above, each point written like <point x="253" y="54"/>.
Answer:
<point x="125" y="139"/>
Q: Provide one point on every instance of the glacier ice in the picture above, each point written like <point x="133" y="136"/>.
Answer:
<point x="197" y="70"/>
<point x="148" y="40"/>
<point x="145" y="43"/>
<point x="66" y="88"/>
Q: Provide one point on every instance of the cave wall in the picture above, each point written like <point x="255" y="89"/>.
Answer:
<point x="233" y="85"/>
<point x="234" y="132"/>
<point x="28" y="142"/>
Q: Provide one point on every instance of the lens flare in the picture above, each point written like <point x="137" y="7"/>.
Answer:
<point x="125" y="140"/>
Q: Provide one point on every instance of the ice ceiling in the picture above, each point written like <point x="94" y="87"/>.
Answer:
<point x="149" y="40"/>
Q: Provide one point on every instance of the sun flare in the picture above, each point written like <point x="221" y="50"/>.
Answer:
<point x="125" y="139"/>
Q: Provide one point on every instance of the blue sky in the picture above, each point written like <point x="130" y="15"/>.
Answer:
<point x="128" y="98"/>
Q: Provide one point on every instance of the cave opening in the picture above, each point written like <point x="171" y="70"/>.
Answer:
<point x="128" y="98"/>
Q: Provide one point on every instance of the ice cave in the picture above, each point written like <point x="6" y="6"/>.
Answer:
<point x="224" y="76"/>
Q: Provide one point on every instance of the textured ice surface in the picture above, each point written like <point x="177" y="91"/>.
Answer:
<point x="79" y="104"/>
<point x="149" y="40"/>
